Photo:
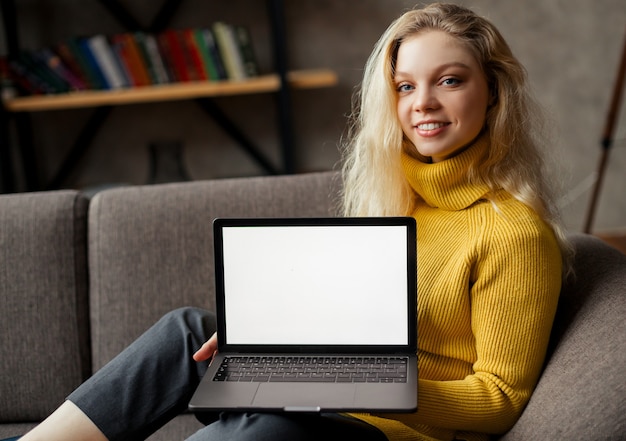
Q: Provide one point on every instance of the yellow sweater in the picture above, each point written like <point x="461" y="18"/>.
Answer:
<point x="488" y="285"/>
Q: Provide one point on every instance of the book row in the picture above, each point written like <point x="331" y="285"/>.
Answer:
<point x="219" y="52"/>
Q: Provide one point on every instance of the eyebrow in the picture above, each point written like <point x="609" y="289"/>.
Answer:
<point x="442" y="67"/>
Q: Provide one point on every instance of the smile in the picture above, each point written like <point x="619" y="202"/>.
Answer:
<point x="431" y="126"/>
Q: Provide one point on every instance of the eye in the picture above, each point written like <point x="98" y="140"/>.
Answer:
<point x="404" y="87"/>
<point x="450" y="81"/>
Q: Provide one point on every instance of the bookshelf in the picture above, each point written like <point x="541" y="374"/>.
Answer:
<point x="279" y="83"/>
<point x="303" y="79"/>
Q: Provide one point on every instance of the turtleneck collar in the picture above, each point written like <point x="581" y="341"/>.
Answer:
<point x="446" y="184"/>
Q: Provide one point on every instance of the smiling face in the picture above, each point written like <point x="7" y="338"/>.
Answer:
<point x="442" y="94"/>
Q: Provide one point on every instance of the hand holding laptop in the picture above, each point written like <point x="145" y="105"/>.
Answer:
<point x="208" y="349"/>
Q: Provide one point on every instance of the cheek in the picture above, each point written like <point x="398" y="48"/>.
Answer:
<point x="404" y="114"/>
<point x="479" y="108"/>
<point x="474" y="112"/>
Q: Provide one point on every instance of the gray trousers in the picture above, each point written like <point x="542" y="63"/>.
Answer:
<point x="153" y="379"/>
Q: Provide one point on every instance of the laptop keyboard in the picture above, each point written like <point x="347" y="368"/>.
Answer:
<point x="313" y="369"/>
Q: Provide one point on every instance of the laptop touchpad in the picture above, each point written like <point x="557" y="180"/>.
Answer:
<point x="304" y="395"/>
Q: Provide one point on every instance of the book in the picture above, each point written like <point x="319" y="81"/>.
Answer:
<point x="31" y="62"/>
<point x="188" y="59"/>
<point x="56" y="65"/>
<point x="214" y="53"/>
<point x="118" y="52"/>
<point x="106" y="61"/>
<point x="193" y="52"/>
<point x="129" y="57"/>
<point x="229" y="50"/>
<point x="139" y="48"/>
<point x="154" y="58"/>
<point x="140" y="42"/>
<point x="246" y="49"/>
<point x="166" y="53"/>
<point x="71" y="62"/>
<point x="205" y="56"/>
<point x="175" y="55"/>
<point x="25" y="79"/>
<point x="84" y="51"/>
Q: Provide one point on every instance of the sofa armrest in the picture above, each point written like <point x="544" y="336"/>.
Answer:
<point x="581" y="394"/>
<point x="44" y="328"/>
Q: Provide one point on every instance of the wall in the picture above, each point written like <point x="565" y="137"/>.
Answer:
<point x="570" y="48"/>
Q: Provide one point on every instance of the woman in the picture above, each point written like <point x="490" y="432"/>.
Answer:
<point x="445" y="131"/>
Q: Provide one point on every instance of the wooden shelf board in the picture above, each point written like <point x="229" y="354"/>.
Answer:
<point x="310" y="79"/>
<point x="170" y="92"/>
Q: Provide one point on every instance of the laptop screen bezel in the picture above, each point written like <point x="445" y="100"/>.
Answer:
<point x="407" y="222"/>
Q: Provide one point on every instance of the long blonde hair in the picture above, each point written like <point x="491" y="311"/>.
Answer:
<point x="374" y="182"/>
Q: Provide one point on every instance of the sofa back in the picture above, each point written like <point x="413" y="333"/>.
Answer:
<point x="43" y="299"/>
<point x="151" y="247"/>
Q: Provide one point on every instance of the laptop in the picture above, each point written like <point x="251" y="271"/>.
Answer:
<point x="314" y="315"/>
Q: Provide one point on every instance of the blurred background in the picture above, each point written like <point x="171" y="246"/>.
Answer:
<point x="571" y="49"/>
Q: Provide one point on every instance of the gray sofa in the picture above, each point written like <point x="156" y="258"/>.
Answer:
<point x="80" y="279"/>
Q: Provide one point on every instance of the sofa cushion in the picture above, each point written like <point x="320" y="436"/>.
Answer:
<point x="581" y="394"/>
<point x="151" y="247"/>
<point x="43" y="298"/>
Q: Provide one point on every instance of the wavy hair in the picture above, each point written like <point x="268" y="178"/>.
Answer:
<point x="374" y="182"/>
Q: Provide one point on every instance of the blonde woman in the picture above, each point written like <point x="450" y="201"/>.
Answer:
<point x="445" y="131"/>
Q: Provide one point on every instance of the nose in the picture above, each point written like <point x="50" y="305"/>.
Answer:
<point x="425" y="99"/>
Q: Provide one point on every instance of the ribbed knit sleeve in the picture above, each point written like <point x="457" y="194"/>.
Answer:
<point x="489" y="276"/>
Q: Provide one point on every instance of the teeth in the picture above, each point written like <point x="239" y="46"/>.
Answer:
<point x="430" y="126"/>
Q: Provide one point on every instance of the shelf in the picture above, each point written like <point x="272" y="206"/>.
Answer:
<point x="280" y="83"/>
<point x="304" y="79"/>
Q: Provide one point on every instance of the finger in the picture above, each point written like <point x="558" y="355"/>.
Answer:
<point x="204" y="353"/>
<point x="207" y="350"/>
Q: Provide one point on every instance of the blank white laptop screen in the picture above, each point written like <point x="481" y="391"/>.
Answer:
<point x="317" y="285"/>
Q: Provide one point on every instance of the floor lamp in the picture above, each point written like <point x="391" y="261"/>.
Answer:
<point x="607" y="137"/>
